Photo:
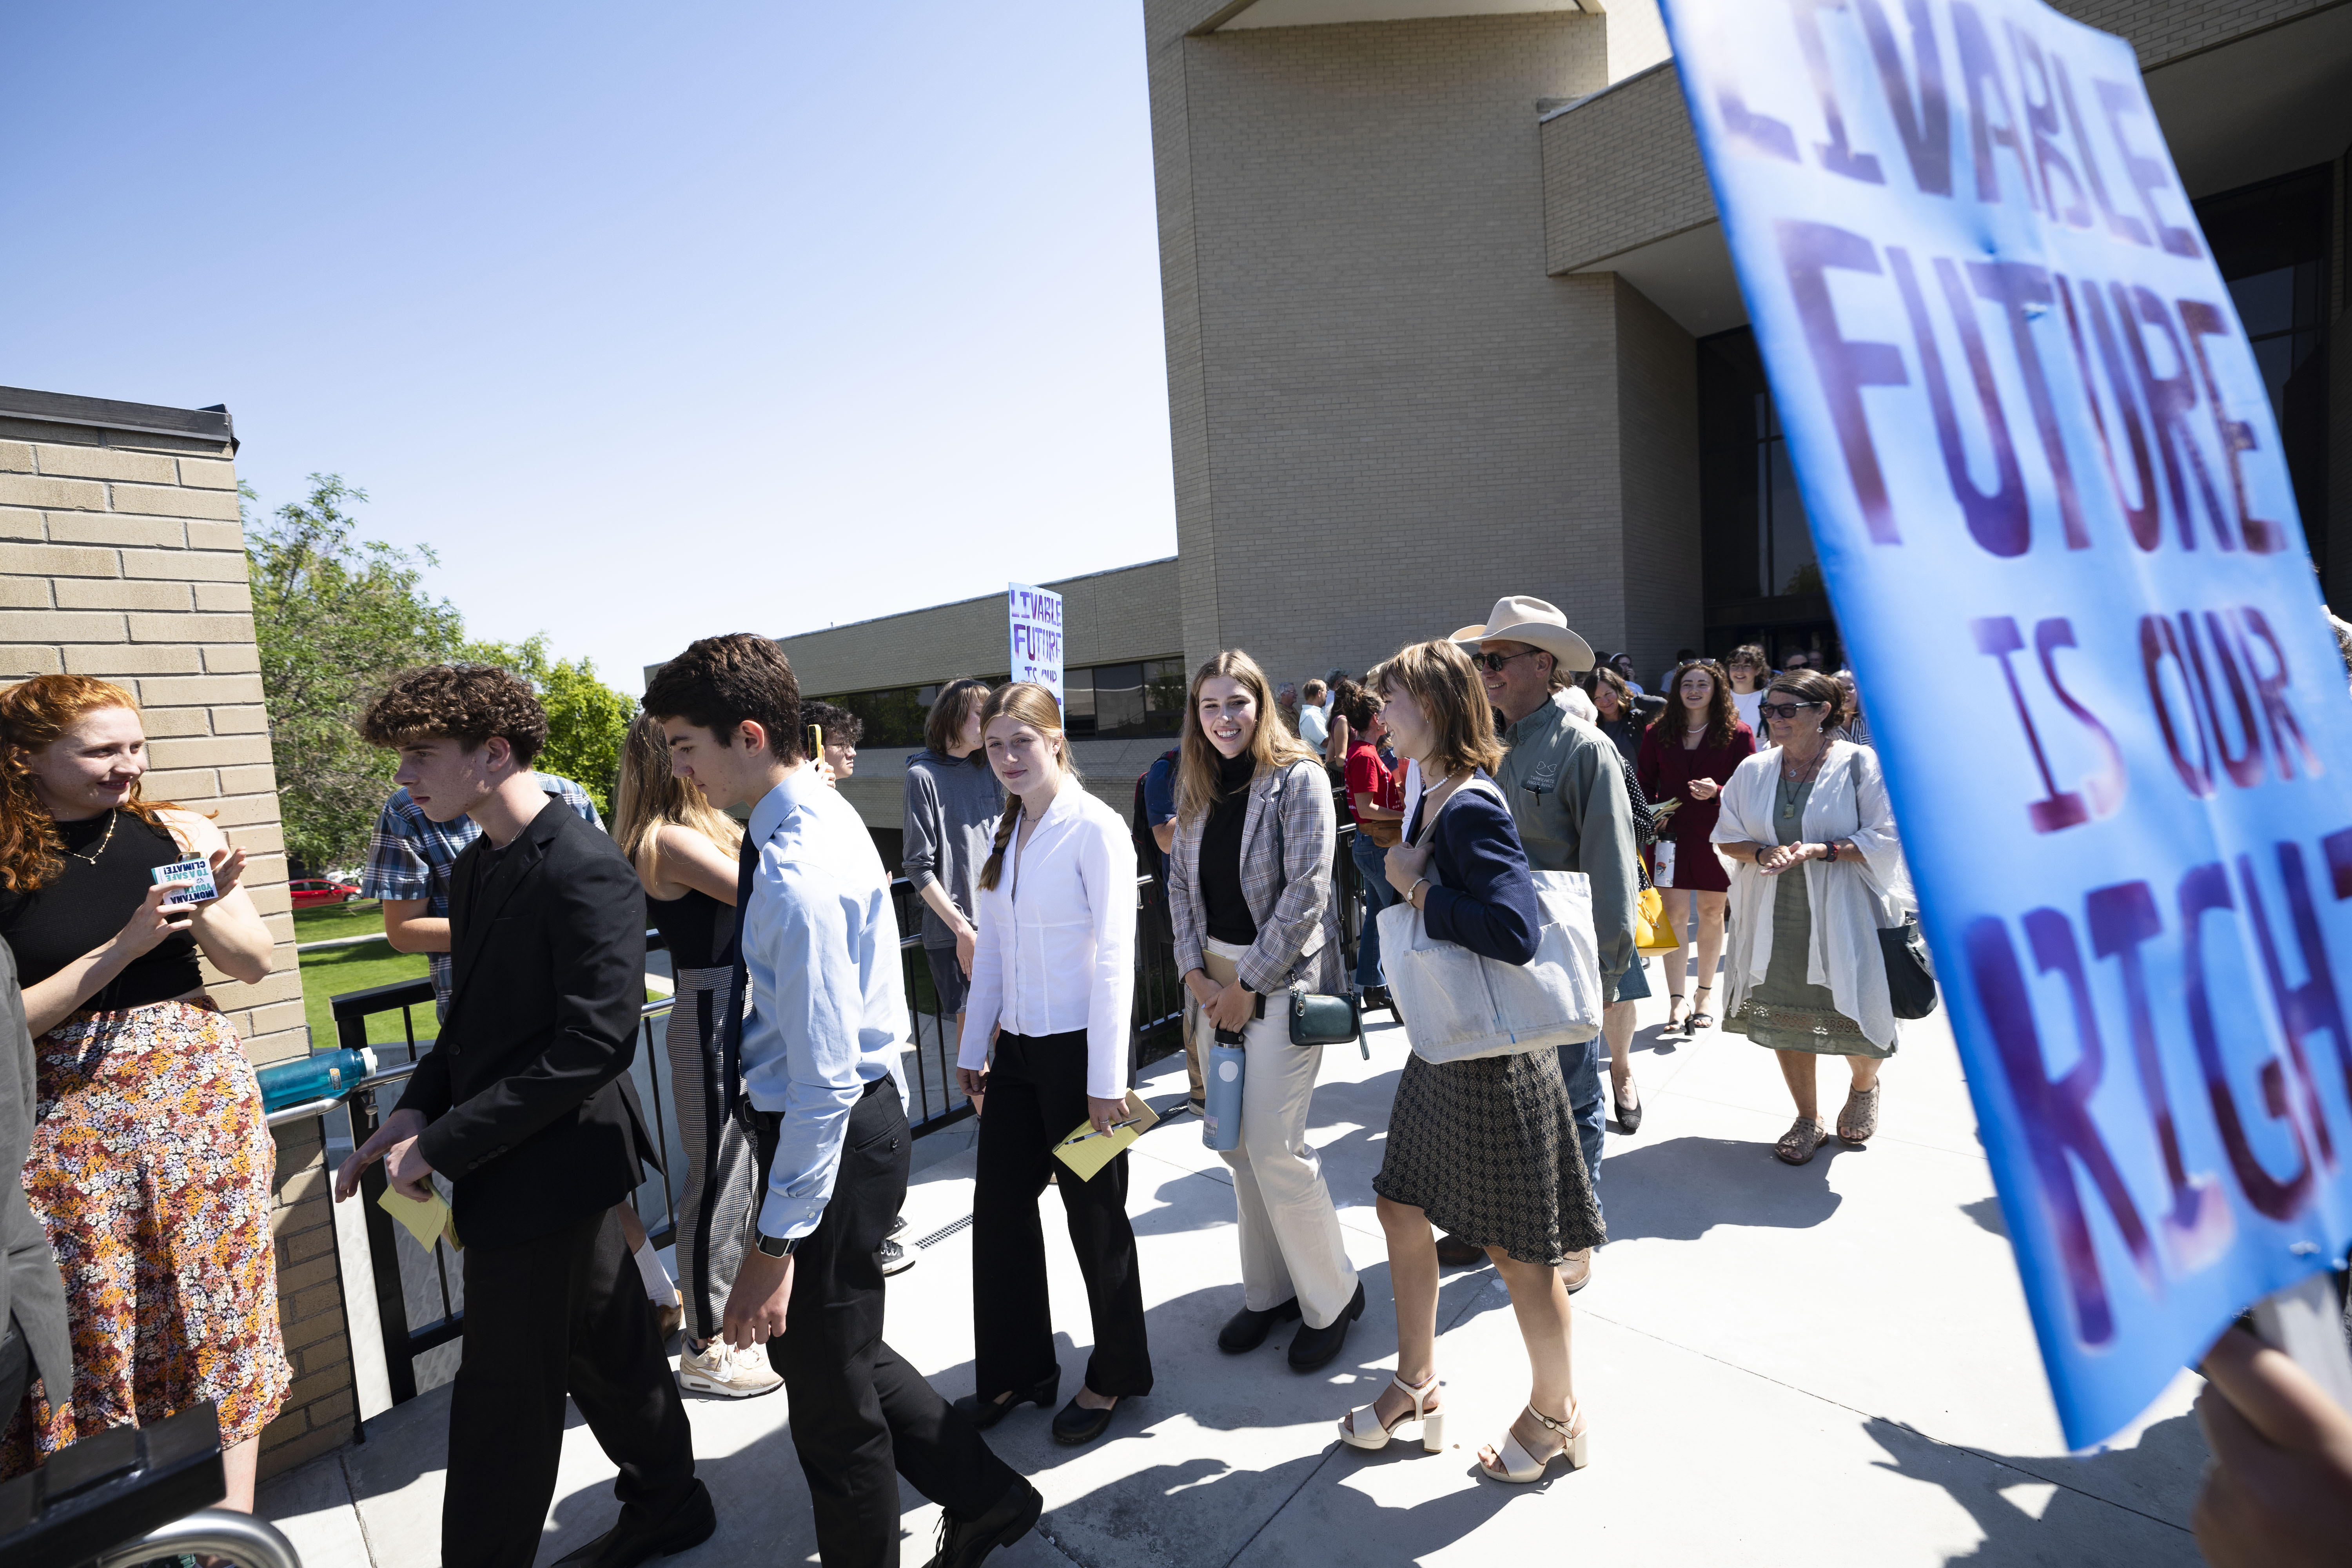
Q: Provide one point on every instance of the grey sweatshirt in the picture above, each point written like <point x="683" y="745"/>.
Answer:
<point x="951" y="813"/>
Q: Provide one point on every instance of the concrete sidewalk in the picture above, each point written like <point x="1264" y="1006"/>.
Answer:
<point x="1824" y="1366"/>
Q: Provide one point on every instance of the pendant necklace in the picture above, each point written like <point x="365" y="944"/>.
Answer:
<point x="111" y="817"/>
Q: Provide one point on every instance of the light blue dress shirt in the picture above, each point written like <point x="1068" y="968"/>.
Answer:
<point x="828" y="1010"/>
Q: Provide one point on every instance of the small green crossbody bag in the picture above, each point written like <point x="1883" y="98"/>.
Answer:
<point x="1316" y="1018"/>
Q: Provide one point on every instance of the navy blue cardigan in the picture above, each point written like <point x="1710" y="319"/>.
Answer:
<point x="1482" y="896"/>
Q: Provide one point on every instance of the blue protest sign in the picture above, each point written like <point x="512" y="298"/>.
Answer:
<point x="2047" y="494"/>
<point x="1035" y="615"/>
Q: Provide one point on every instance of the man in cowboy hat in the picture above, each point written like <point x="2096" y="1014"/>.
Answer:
<point x="1567" y="799"/>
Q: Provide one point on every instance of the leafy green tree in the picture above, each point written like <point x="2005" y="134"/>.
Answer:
<point x="587" y="720"/>
<point x="334" y="617"/>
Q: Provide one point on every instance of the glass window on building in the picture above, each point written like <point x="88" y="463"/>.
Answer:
<point x="2269" y="242"/>
<point x="1761" y="581"/>
<point x="1122" y="701"/>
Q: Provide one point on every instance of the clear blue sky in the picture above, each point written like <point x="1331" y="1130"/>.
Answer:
<point x="653" y="322"/>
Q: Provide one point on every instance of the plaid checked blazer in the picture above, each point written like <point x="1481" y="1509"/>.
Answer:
<point x="1298" y="924"/>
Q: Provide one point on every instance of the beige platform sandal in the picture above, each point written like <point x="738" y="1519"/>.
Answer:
<point x="1519" y="1467"/>
<point x="1362" y="1427"/>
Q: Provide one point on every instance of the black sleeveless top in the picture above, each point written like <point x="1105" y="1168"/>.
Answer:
<point x="693" y="926"/>
<point x="86" y="905"/>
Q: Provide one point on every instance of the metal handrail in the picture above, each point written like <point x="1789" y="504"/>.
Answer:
<point x="241" y="1539"/>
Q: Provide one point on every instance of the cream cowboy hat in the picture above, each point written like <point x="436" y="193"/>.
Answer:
<point x="1518" y="618"/>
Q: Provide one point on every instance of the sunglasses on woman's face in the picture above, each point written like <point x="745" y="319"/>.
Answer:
<point x="1783" y="709"/>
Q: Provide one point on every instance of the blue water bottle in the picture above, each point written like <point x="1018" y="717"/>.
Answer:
<point x="320" y="1076"/>
<point x="1220" y="1122"/>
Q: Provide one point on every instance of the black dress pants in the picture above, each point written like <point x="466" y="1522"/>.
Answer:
<point x="1036" y="1095"/>
<point x="562" y="1313"/>
<point x="861" y="1415"/>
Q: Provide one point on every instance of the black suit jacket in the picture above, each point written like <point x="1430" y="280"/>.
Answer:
<point x="526" y="1095"/>
<point x="30" y="1287"/>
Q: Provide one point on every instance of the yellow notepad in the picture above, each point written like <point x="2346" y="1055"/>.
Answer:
<point x="1085" y="1151"/>
<point x="428" y="1221"/>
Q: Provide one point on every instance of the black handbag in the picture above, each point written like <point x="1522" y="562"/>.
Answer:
<point x="1910" y="974"/>
<point x="1316" y="1018"/>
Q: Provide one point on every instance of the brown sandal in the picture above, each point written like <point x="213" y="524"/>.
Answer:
<point x="1859" y="1119"/>
<point x="1798" y="1144"/>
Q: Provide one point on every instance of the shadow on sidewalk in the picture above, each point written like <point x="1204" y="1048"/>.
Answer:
<point x="1683" y="1187"/>
<point x="2156" y="1479"/>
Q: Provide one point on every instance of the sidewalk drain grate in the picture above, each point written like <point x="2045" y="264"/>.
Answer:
<point x="944" y="1232"/>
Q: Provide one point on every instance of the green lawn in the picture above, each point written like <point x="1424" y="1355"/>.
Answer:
<point x="329" y="974"/>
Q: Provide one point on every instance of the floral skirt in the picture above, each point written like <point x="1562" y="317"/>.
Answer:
<point x="152" y="1166"/>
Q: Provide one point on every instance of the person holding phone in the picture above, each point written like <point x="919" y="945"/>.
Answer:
<point x="1055" y="965"/>
<point x="1249" y="890"/>
<point x="151" y="1159"/>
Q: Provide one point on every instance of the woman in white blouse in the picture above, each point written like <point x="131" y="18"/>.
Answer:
<point x="1816" y="871"/>
<point x="1055" y="967"/>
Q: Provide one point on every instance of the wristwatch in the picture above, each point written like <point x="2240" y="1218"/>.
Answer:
<point x="779" y="1245"/>
<point x="1832" y="847"/>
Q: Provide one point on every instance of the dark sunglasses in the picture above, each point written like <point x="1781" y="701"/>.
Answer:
<point x="1495" y="661"/>
<point x="1783" y="709"/>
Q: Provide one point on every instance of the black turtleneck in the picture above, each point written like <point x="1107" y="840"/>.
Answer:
<point x="1221" y="854"/>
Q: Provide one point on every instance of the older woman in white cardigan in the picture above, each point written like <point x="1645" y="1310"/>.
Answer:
<point x="1816" y="871"/>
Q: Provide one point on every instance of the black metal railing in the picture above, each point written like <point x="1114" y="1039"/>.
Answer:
<point x="408" y="1280"/>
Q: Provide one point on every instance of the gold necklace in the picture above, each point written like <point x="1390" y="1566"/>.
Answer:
<point x="111" y="817"/>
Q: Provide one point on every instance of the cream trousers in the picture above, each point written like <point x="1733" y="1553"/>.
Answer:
<point x="1289" y="1230"/>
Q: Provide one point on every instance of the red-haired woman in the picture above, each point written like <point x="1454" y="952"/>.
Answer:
<point x="1687" y="753"/>
<point x="151" y="1162"/>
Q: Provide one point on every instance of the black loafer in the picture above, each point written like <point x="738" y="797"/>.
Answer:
<point x="1246" y="1330"/>
<point x="986" y="1412"/>
<point x="635" y="1540"/>
<point x="1076" y="1424"/>
<point x="1453" y="1254"/>
<point x="1314" y="1347"/>
<point x="964" y="1543"/>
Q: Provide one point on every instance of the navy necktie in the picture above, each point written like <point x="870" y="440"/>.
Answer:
<point x="730" y="1060"/>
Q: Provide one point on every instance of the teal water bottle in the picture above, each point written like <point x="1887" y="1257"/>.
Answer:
<point x="322" y="1074"/>
<point x="1221" y="1121"/>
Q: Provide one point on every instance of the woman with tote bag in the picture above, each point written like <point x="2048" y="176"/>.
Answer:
<point x="1249" y="894"/>
<point x="1486" y="1146"/>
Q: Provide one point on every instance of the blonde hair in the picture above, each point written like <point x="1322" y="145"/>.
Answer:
<point x="1440" y="679"/>
<point x="651" y="796"/>
<point x="1272" y="744"/>
<point x="1024" y="703"/>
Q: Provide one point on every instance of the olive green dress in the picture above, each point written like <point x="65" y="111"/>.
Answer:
<point x="1786" y="1013"/>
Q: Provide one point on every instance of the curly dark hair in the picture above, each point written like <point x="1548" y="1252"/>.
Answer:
<point x="1356" y="705"/>
<point x="1722" y="719"/>
<point x="468" y="702"/>
<point x="842" y="728"/>
<point x="718" y="682"/>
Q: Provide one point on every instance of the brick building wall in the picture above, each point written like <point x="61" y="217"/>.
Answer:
<point x="122" y="556"/>
<point x="1621" y="169"/>
<point x="1370" y="372"/>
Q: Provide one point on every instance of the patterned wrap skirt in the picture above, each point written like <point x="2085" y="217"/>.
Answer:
<point x="1488" y="1149"/>
<point x="151" y="1166"/>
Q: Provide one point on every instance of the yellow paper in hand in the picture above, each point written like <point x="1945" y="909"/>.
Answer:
<point x="425" y="1221"/>
<point x="1087" y="1152"/>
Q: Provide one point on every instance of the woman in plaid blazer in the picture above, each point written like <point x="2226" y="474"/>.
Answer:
<point x="1249" y="893"/>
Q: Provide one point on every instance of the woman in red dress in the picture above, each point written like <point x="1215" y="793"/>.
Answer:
<point x="1687" y="753"/>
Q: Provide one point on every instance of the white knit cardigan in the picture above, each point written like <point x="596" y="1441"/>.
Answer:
<point x="1851" y="898"/>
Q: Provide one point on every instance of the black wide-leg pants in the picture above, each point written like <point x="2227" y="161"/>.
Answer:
<point x="861" y="1415"/>
<point x="1036" y="1095"/>
<point x="563" y="1314"/>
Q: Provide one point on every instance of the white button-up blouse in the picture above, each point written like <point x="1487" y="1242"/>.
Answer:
<point x="1057" y="940"/>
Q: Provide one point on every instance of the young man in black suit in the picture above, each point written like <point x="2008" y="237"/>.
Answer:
<point x="524" y="1105"/>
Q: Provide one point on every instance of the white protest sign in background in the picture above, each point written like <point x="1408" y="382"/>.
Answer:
<point x="1036" y="629"/>
<point x="2049" y="501"/>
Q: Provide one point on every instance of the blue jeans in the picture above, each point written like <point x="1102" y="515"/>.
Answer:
<point x="1371" y="873"/>
<point x="1579" y="1069"/>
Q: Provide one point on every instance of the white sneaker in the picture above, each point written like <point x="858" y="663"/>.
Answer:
<point x="730" y="1374"/>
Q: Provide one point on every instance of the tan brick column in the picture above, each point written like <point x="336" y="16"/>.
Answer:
<point x="122" y="556"/>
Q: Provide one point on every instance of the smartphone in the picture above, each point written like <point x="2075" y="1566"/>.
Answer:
<point x="817" y="742"/>
<point x="191" y="881"/>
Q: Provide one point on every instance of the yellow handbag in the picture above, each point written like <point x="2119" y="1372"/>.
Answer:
<point x="1654" y="929"/>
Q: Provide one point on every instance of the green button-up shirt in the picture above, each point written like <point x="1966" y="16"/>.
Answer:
<point x="1567" y="798"/>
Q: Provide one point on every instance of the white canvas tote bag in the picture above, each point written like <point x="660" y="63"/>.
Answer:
<point x="1457" y="1004"/>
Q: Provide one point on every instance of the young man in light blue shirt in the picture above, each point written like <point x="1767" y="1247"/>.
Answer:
<point x="818" y="1056"/>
